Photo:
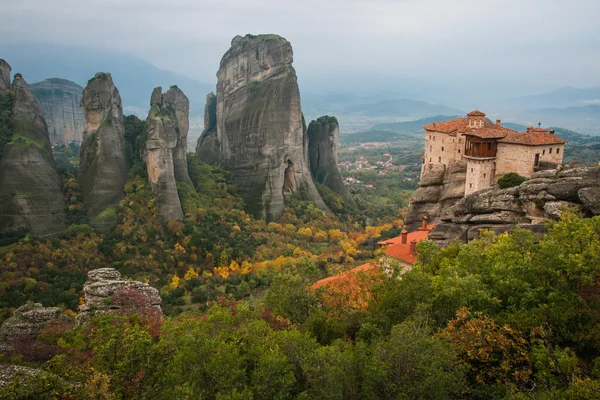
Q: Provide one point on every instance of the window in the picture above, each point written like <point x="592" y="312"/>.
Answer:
<point x="439" y="159"/>
<point x="429" y="159"/>
<point x="557" y="151"/>
<point x="458" y="151"/>
<point x="484" y="175"/>
<point x="544" y="152"/>
<point x="471" y="170"/>
<point x="550" y="151"/>
<point x="442" y="148"/>
<point x="470" y="185"/>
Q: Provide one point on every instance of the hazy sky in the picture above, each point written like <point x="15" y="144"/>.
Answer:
<point x="527" y="45"/>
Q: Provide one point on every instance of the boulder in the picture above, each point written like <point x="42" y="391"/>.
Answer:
<point x="260" y="127"/>
<point x="104" y="161"/>
<point x="29" y="320"/>
<point x="107" y="292"/>
<point x="590" y="197"/>
<point x="323" y="138"/>
<point x="208" y="148"/>
<point x="60" y="101"/>
<point x="554" y="209"/>
<point x="165" y="148"/>
<point x="31" y="197"/>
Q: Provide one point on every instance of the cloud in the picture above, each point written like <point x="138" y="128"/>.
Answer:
<point x="538" y="42"/>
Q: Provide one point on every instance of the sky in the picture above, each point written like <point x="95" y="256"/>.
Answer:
<point x="457" y="46"/>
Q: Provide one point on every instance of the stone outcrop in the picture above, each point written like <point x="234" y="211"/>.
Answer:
<point x="529" y="205"/>
<point x="104" y="162"/>
<point x="107" y="292"/>
<point x="207" y="148"/>
<point x="31" y="197"/>
<point x="29" y="320"/>
<point x="439" y="189"/>
<point x="323" y="138"/>
<point x="5" y="70"/>
<point x="260" y="129"/>
<point x="164" y="150"/>
<point x="60" y="100"/>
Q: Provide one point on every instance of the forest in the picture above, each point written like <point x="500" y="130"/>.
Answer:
<point x="510" y="316"/>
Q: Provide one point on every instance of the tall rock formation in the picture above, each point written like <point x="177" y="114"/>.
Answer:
<point x="439" y="189"/>
<point x="207" y="148"/>
<point x="259" y="125"/>
<point x="31" y="197"/>
<point x="323" y="138"/>
<point x="104" y="162"/>
<point x="60" y="100"/>
<point x="528" y="205"/>
<point x="164" y="150"/>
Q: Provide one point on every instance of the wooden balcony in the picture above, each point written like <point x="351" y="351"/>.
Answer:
<point x="481" y="152"/>
<point x="480" y="148"/>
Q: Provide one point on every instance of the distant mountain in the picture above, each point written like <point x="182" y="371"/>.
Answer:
<point x="560" y="98"/>
<point x="411" y="126"/>
<point x="401" y="108"/>
<point x="581" y="119"/>
<point x="135" y="78"/>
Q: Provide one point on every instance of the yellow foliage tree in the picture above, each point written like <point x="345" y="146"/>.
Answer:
<point x="190" y="274"/>
<point x="174" y="281"/>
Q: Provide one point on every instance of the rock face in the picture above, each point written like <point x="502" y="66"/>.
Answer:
<point x="259" y="125"/>
<point x="29" y="320"/>
<point x="60" y="100"/>
<point x="439" y="189"/>
<point x="165" y="148"/>
<point x="31" y="197"/>
<point x="5" y="70"/>
<point x="106" y="291"/>
<point x="528" y="205"/>
<point x="208" y="149"/>
<point x="323" y="137"/>
<point x="104" y="163"/>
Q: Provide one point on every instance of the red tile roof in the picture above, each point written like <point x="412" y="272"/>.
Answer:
<point x="417" y="235"/>
<point x="532" y="138"/>
<point x="453" y="125"/>
<point x="401" y="252"/>
<point x="489" y="131"/>
<point x="346" y="274"/>
<point x="476" y="113"/>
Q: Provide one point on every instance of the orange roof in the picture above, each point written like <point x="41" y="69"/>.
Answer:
<point x="476" y="113"/>
<point x="533" y="138"/>
<point x="326" y="281"/>
<point x="401" y="252"/>
<point x="453" y="125"/>
<point x="490" y="131"/>
<point x="417" y="235"/>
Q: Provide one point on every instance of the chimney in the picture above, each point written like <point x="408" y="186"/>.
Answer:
<point x="497" y="122"/>
<point x="529" y="129"/>
<point x="424" y="222"/>
<point x="404" y="236"/>
<point x="552" y="131"/>
<point x="413" y="247"/>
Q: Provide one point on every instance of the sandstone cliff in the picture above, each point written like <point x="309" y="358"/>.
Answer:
<point x="31" y="197"/>
<point x="528" y="205"/>
<point x="60" y="100"/>
<point x="439" y="189"/>
<point x="323" y="138"/>
<point x="259" y="125"/>
<point x="5" y="70"/>
<point x="208" y="149"/>
<point x="107" y="292"/>
<point x="104" y="163"/>
<point x="164" y="150"/>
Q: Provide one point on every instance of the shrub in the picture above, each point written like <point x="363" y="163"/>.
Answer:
<point x="510" y="180"/>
